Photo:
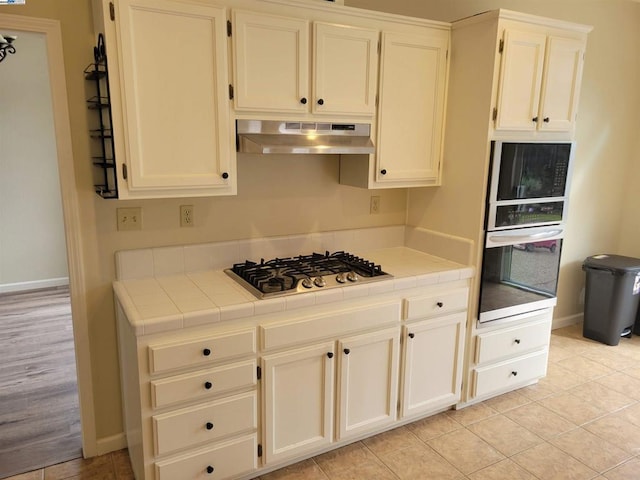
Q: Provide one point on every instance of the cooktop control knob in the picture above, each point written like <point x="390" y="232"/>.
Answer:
<point x="307" y="283"/>
<point x="352" y="276"/>
<point x="319" y="282"/>
<point x="341" y="278"/>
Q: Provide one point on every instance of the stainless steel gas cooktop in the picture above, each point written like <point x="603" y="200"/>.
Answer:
<point x="304" y="273"/>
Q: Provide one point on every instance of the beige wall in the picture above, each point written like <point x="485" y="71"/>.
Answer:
<point x="284" y="195"/>
<point x="32" y="245"/>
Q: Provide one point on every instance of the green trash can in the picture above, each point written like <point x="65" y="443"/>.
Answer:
<point x="612" y="294"/>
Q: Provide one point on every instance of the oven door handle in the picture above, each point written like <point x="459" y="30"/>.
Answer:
<point x="519" y="238"/>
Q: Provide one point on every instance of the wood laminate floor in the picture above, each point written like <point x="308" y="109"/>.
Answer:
<point x="39" y="412"/>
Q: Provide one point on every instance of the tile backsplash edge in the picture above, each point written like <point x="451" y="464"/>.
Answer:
<point x="450" y="247"/>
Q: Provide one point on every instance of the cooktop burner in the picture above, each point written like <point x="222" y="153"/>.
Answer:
<point x="304" y="273"/>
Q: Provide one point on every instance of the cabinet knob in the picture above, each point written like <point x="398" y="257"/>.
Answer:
<point x="514" y="373"/>
<point x="320" y="101"/>
<point x="545" y="119"/>
<point x="517" y="340"/>
<point x="206" y="352"/>
<point x="440" y="304"/>
<point x="383" y="171"/>
<point x="209" y="426"/>
<point x="208" y="385"/>
<point x="534" y="119"/>
<point x="225" y="175"/>
<point x="411" y="335"/>
<point x="347" y="351"/>
<point x="210" y="469"/>
<point x="330" y="354"/>
<point x="303" y="101"/>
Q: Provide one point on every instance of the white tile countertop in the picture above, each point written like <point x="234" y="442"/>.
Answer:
<point x="165" y="302"/>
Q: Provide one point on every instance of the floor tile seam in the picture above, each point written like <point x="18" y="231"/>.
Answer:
<point x="431" y="449"/>
<point x="630" y="455"/>
<point x="380" y="462"/>
<point x="313" y="459"/>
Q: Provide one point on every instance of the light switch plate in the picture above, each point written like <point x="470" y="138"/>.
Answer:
<point x="129" y="218"/>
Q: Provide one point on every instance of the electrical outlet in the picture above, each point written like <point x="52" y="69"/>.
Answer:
<point x="186" y="216"/>
<point x="129" y="218"/>
<point x="374" y="206"/>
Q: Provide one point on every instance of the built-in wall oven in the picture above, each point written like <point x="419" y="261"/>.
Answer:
<point x="527" y="202"/>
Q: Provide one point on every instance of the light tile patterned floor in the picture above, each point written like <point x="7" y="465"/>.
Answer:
<point x="580" y="422"/>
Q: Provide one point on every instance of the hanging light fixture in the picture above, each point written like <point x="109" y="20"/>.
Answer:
<point x="6" y="45"/>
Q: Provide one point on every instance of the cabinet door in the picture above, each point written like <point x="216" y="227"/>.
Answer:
<point x="411" y="110"/>
<point x="432" y="364"/>
<point x="520" y="80"/>
<point x="271" y="62"/>
<point x="173" y="71"/>
<point x="368" y="381"/>
<point x="298" y="401"/>
<point x="345" y="69"/>
<point x="561" y="85"/>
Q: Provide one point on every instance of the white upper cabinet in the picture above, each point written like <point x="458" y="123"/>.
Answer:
<point x="411" y="112"/>
<point x="539" y="81"/>
<point x="273" y="66"/>
<point x="175" y="137"/>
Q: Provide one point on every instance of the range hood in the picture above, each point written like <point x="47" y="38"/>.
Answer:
<point x="273" y="136"/>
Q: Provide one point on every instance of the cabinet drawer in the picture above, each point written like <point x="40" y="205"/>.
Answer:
<point x="201" y="351"/>
<point x="436" y="304"/>
<point x="513" y="341"/>
<point x="226" y="459"/>
<point x="330" y="325"/>
<point x="509" y="374"/>
<point x="191" y="426"/>
<point x="203" y="383"/>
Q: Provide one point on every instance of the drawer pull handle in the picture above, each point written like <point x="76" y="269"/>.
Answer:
<point x="440" y="304"/>
<point x="545" y="119"/>
<point x="517" y="340"/>
<point x="347" y="351"/>
<point x="206" y="352"/>
<point x="208" y="385"/>
<point x="514" y="373"/>
<point x="209" y="426"/>
<point x="411" y="335"/>
<point x="210" y="469"/>
<point x="330" y="354"/>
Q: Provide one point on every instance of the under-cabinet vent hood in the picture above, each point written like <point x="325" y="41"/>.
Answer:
<point x="268" y="136"/>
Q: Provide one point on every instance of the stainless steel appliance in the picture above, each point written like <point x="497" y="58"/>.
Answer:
<point x="526" y="209"/>
<point x="304" y="273"/>
<point x="296" y="137"/>
<point x="529" y="184"/>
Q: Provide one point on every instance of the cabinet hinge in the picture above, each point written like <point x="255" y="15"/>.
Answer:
<point x="124" y="171"/>
<point x="112" y="11"/>
<point x="259" y="372"/>
<point x="230" y="92"/>
<point x="259" y="450"/>
<point x="379" y="47"/>
<point x="377" y="99"/>
<point x="495" y="114"/>
<point x="229" y="28"/>
<point x="501" y="47"/>
<point x="446" y="55"/>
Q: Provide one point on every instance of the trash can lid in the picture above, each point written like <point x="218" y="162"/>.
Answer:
<point x="613" y="263"/>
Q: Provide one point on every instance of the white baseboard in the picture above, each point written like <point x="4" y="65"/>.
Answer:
<point x="566" y="321"/>
<point x="34" y="285"/>
<point x="111" y="444"/>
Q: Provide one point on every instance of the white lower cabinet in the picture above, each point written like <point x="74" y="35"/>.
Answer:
<point x="432" y="364"/>
<point x="234" y="400"/>
<point x="368" y="382"/>
<point x="510" y="355"/>
<point x="300" y="386"/>
<point x="298" y="389"/>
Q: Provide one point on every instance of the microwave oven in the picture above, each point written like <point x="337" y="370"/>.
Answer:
<point x="529" y="184"/>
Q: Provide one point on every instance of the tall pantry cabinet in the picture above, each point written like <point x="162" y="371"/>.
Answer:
<point x="517" y="77"/>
